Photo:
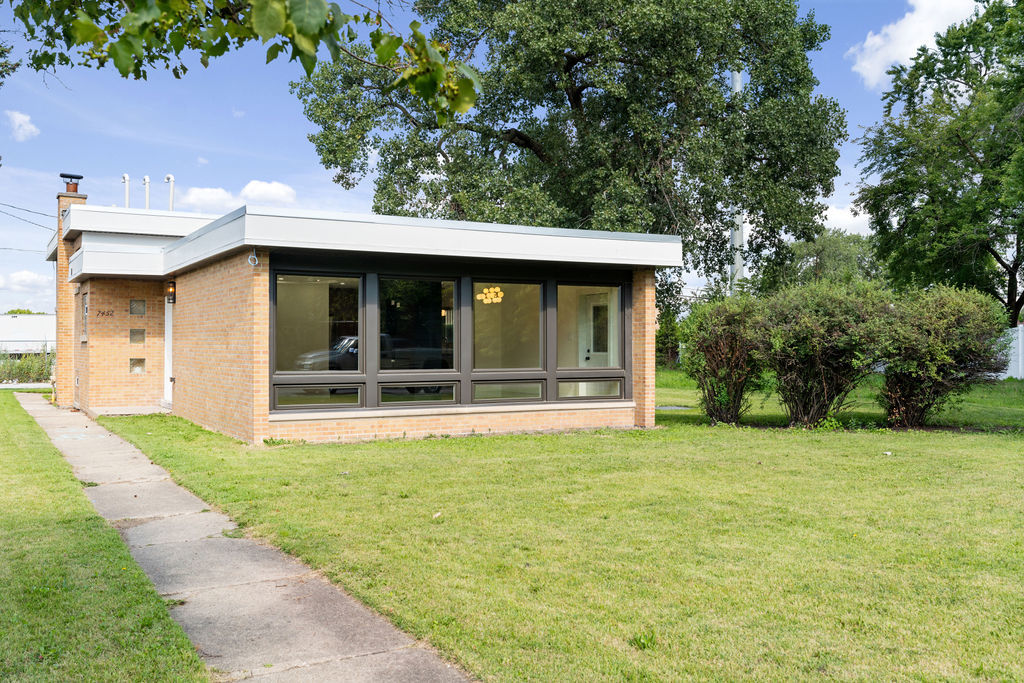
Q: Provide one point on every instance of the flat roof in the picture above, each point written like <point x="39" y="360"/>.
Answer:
<point x="193" y="239"/>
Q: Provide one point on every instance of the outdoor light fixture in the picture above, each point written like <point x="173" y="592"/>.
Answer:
<point x="491" y="295"/>
<point x="169" y="291"/>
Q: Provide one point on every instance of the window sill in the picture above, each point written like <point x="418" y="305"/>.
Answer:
<point x="361" y="413"/>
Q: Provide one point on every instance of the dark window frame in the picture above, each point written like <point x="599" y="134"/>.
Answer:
<point x="369" y="268"/>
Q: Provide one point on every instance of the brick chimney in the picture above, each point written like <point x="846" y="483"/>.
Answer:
<point x="64" y="385"/>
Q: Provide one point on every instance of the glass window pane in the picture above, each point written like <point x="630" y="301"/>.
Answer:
<point x="137" y="336"/>
<point x="417" y="393"/>
<point x="417" y="324"/>
<point x="608" y="388"/>
<point x="137" y="307"/>
<point x="507" y="391"/>
<point x="589" y="327"/>
<point x="317" y="396"/>
<point x="317" y="325"/>
<point x="507" y="324"/>
<point x="137" y="366"/>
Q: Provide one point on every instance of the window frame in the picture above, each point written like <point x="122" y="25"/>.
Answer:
<point x="370" y="268"/>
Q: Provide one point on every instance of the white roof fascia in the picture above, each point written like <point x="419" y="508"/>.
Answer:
<point x="248" y="227"/>
<point x="112" y="254"/>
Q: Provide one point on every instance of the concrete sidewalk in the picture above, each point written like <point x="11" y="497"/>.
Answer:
<point x="250" y="610"/>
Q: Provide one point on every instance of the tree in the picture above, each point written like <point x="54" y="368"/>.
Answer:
<point x="607" y="114"/>
<point x="834" y="255"/>
<point x="22" y="311"/>
<point x="948" y="156"/>
<point x="137" y="35"/>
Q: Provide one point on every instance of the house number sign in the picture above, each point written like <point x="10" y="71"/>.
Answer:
<point x="105" y="314"/>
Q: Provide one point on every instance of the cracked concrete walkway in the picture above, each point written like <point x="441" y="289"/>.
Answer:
<point x="250" y="610"/>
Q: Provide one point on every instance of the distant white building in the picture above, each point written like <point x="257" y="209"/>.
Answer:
<point x="28" y="333"/>
<point x="1015" y="368"/>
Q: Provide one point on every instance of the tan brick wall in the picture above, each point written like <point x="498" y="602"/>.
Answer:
<point x="102" y="361"/>
<point x="66" y="341"/>
<point x="645" y="320"/>
<point x="365" y="429"/>
<point x="220" y="346"/>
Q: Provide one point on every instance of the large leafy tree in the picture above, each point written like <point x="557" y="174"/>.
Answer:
<point x="604" y="114"/>
<point x="944" y="166"/>
<point x="138" y="35"/>
<point x="834" y="255"/>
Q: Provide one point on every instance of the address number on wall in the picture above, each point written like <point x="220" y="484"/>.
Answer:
<point x="104" y="314"/>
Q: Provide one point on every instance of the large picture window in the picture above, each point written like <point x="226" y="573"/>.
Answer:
<point x="588" y="327"/>
<point x="317" y="325"/>
<point x="417" y="324"/>
<point x="507" y="326"/>
<point x="387" y="340"/>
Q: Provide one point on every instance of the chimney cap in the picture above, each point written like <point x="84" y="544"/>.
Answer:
<point x="71" y="176"/>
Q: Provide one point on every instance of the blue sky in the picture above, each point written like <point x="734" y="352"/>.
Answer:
<point x="232" y="133"/>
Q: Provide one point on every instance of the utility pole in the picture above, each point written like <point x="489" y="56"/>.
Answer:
<point x="736" y="240"/>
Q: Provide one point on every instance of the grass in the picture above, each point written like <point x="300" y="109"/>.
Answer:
<point x="73" y="603"/>
<point x="682" y="552"/>
<point x="987" y="407"/>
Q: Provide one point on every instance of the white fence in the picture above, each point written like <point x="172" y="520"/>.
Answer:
<point x="1016" y="365"/>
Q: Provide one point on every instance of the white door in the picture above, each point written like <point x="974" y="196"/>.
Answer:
<point x="593" y="331"/>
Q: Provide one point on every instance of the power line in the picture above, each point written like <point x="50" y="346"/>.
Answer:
<point x="22" y="208"/>
<point x="44" y="227"/>
<point x="34" y="251"/>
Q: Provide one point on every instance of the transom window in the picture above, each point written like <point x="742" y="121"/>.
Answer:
<point x="376" y="340"/>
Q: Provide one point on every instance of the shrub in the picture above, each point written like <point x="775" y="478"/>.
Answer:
<point x="666" y="342"/>
<point x="35" y="367"/>
<point x="721" y="340"/>
<point x="824" y="338"/>
<point x="945" y="341"/>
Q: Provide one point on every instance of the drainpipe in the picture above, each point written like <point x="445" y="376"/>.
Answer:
<point x="127" y="184"/>
<point x="145" y="184"/>
<point x="170" y="202"/>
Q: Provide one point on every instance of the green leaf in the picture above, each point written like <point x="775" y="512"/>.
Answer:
<point x="465" y="96"/>
<point x="124" y="59"/>
<point x="177" y="41"/>
<point x="385" y="45"/>
<point x="470" y="73"/>
<point x="309" y="16"/>
<point x="308" y="62"/>
<point x="305" y="44"/>
<point x="273" y="51"/>
<point x="268" y="17"/>
<point x="83" y="30"/>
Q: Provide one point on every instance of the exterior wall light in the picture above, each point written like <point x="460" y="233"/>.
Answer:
<point x="491" y="295"/>
<point x="170" y="291"/>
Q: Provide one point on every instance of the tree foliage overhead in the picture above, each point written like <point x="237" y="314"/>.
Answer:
<point x="138" y="35"/>
<point x="606" y="114"/>
<point x="946" y="162"/>
<point x="834" y="255"/>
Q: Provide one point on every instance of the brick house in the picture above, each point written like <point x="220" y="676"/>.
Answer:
<point x="340" y="327"/>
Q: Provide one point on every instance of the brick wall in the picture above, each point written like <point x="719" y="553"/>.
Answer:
<point x="450" y="423"/>
<point x="66" y="339"/>
<point x="220" y="344"/>
<point x="102" y="364"/>
<point x="645" y="320"/>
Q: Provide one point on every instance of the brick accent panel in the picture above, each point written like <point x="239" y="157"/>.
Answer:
<point x="220" y="348"/>
<point x="645" y="320"/>
<point x="102" y="361"/>
<point x="351" y="429"/>
<point x="64" y="380"/>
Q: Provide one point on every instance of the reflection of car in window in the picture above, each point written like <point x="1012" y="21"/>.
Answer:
<point x="395" y="354"/>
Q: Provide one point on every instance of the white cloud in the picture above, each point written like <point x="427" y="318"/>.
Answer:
<point x="237" y="113"/>
<point x="202" y="161"/>
<point x="897" y="42"/>
<point x="21" y="124"/>
<point x="26" y="281"/>
<point x="210" y="199"/>
<point x="262" y="192"/>
<point x="254" y="192"/>
<point x="842" y="217"/>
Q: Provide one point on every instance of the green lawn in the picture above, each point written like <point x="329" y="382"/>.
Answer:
<point x="686" y="551"/>
<point x="992" y="406"/>
<point x="73" y="603"/>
